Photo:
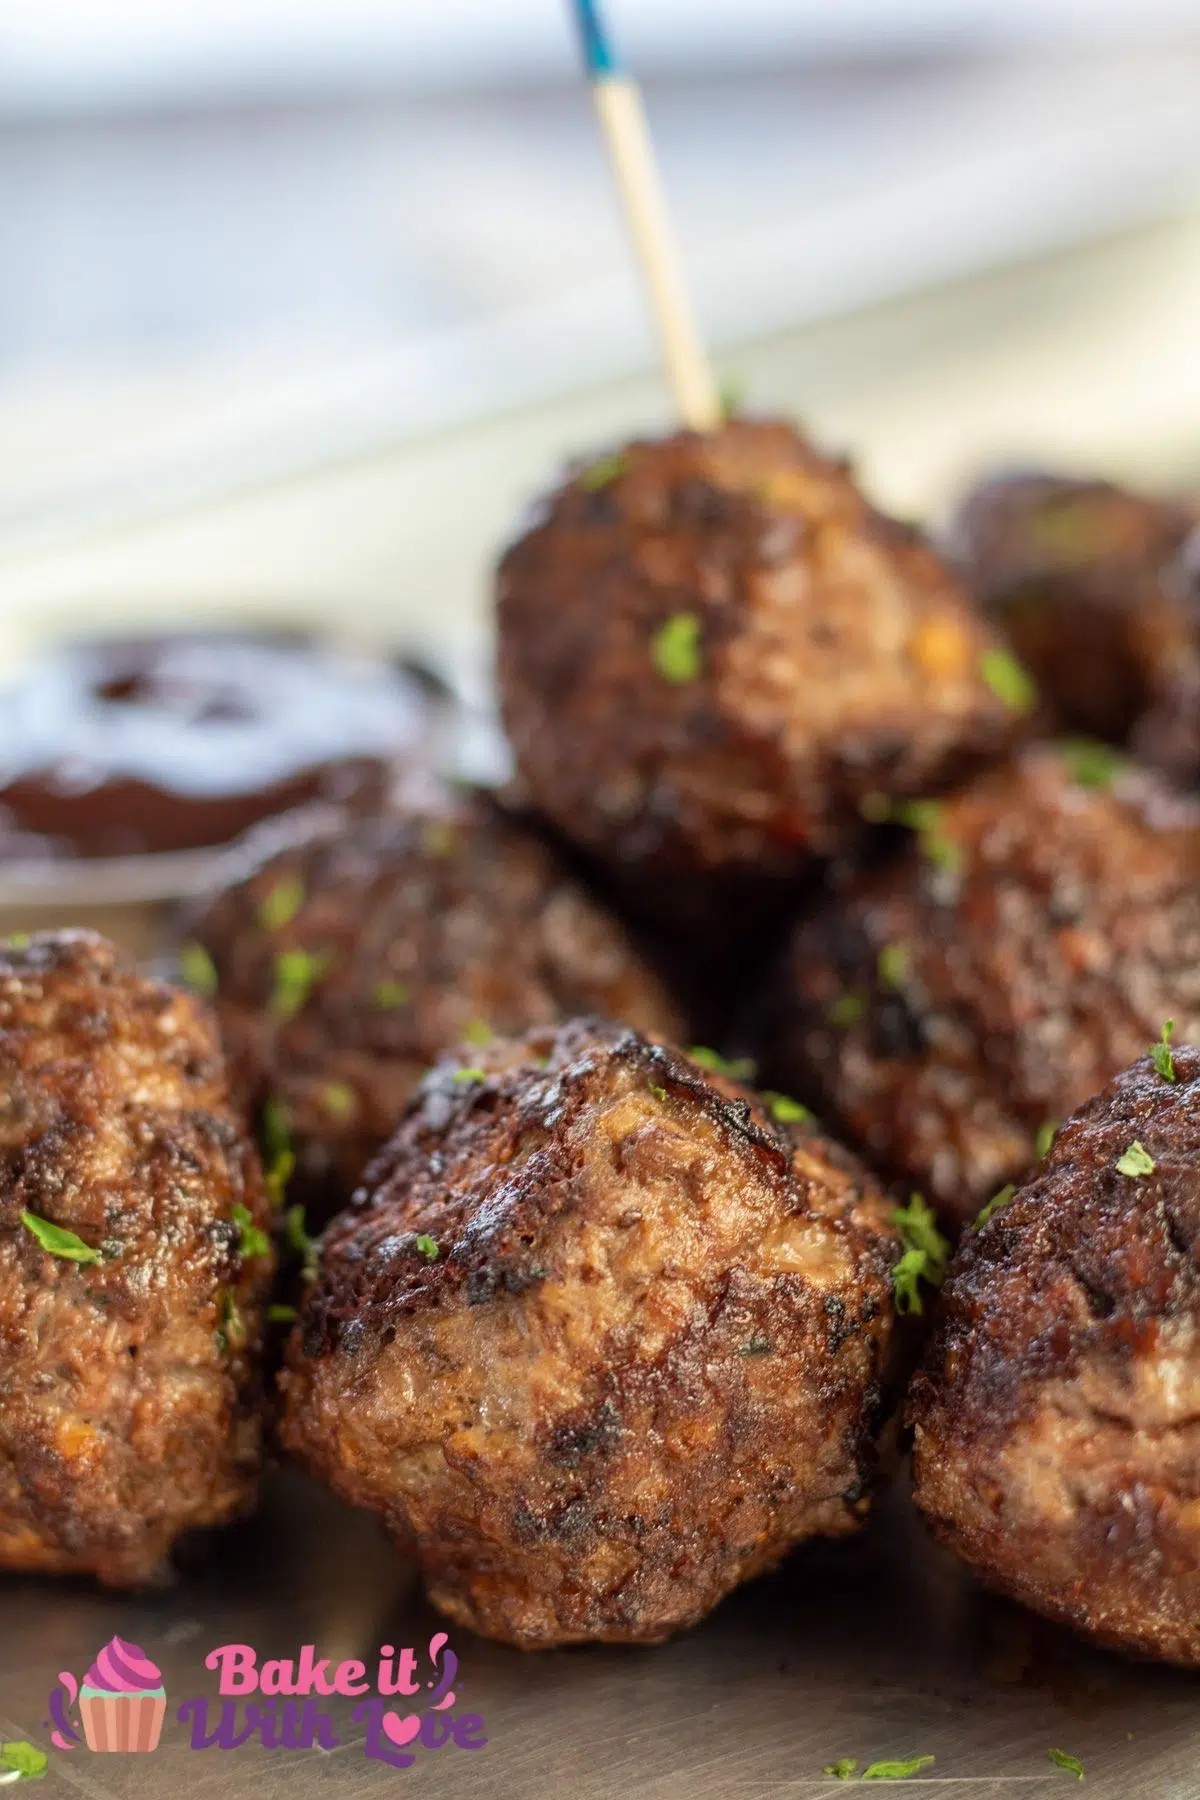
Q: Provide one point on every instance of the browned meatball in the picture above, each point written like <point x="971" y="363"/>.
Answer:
<point x="1058" y="1415"/>
<point x="1081" y="576"/>
<point x="133" y="1268"/>
<point x="711" y="647"/>
<point x="597" y="1340"/>
<point x="349" y="961"/>
<point x="955" y="1004"/>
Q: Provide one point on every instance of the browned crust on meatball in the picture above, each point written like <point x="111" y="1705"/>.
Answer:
<point x="129" y="1395"/>
<point x="1079" y="574"/>
<point x="426" y="927"/>
<point x="941" y="1017"/>
<point x="644" y="1360"/>
<point x="1057" y="1418"/>
<point x="837" y="656"/>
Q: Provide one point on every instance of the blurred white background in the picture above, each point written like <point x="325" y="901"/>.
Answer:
<point x="300" y="301"/>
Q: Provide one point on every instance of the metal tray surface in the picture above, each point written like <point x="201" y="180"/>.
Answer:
<point x="876" y="1648"/>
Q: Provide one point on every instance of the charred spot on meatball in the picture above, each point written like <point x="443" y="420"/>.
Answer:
<point x="1080" y="575"/>
<point x="348" y="961"/>
<point x="708" y="673"/>
<point x="598" y="1339"/>
<point x="946" y="1011"/>
<point x="134" y="1263"/>
<point x="1057" y="1415"/>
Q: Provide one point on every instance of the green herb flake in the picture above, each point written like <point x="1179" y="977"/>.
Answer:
<point x="197" y="969"/>
<point x="386" y="996"/>
<point x="16" y="940"/>
<point x="1136" y="1161"/>
<point x="892" y="965"/>
<point x="478" y="1033"/>
<point x="1092" y="764"/>
<point x="339" y="1100"/>
<point x="296" y="1234"/>
<point x="23" y="1759"/>
<point x="841" y="1770"/>
<point x="276" y="1126"/>
<point x="277" y="1176"/>
<point x="897" y="1771"/>
<point x="996" y="1204"/>
<point x="57" y="1242"/>
<point x="675" y="648"/>
<point x="280" y="1314"/>
<point x="847" y="1009"/>
<point x="756" y="1346"/>
<point x="926" y="1253"/>
<point x="1062" y="1759"/>
<point x="1046" y="1133"/>
<point x="737" y="1068"/>
<point x="602" y="472"/>
<point x="427" y="1247"/>
<point x="465" y="1077"/>
<point x="252" y="1239"/>
<point x="296" y="974"/>
<point x="924" y="817"/>
<point x="660" y="1093"/>
<point x="784" y="1110"/>
<point x="231" y="1327"/>
<point x="730" y="398"/>
<point x="281" y="904"/>
<point x="1160" y="1053"/>
<point x="1008" y="679"/>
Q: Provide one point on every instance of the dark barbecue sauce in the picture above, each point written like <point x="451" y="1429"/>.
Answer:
<point x="123" y="747"/>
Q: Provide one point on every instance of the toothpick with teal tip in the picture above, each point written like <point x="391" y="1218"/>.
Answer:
<point x="622" y="118"/>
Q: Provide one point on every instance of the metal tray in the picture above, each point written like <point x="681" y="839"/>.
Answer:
<point x="876" y="1648"/>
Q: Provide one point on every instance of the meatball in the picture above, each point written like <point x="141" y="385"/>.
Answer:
<point x="596" y="1339"/>
<point x="1057" y="1418"/>
<point x="951" y="1006"/>
<point x="133" y="1268"/>
<point x="1081" y="576"/>
<point x="711" y="647"/>
<point x="351" y="959"/>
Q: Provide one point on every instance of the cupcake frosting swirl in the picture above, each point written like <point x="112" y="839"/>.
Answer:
<point x="123" y="1668"/>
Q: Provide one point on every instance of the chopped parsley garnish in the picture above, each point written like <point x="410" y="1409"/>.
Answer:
<point x="841" y="1770"/>
<point x="231" y="1327"/>
<point x="388" y="995"/>
<point x="1046" y="1133"/>
<point x="1092" y="764"/>
<point x="924" y="817"/>
<point x="730" y="396"/>
<point x="276" y="1178"/>
<point x="738" y="1068"/>
<point x="276" y="1126"/>
<point x="1160" y="1053"/>
<point x="16" y="940"/>
<point x="1062" y="1759"/>
<point x="1136" y="1161"/>
<point x="252" y="1239"/>
<point x="1008" y="679"/>
<point x="660" y="1093"/>
<point x="296" y="974"/>
<point x="427" y="1247"/>
<point x="784" y="1110"/>
<point x="464" y="1077"/>
<point x="280" y="905"/>
<point x="604" y="470"/>
<point x="675" y="648"/>
<point x="478" y="1033"/>
<point x="996" y="1204"/>
<point x="897" y="1771"/>
<point x="198" y="969"/>
<point x="58" y="1242"/>
<point x="23" y="1759"/>
<point x="296" y="1234"/>
<point x="280" y="1314"/>
<point x="847" y="1009"/>
<point x="926" y="1253"/>
<point x="339" y="1100"/>
<point x="892" y="964"/>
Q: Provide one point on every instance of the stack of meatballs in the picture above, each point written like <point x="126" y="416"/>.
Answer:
<point x="600" y="1325"/>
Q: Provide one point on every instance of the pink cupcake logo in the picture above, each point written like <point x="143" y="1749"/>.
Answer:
<point x="122" y="1702"/>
